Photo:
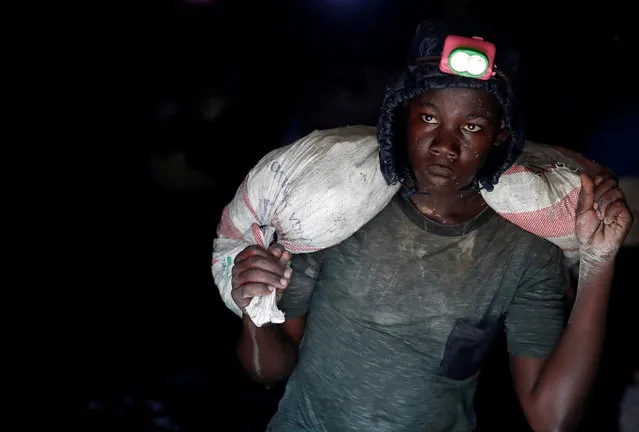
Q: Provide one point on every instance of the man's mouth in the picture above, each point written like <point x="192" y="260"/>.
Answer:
<point x="440" y="170"/>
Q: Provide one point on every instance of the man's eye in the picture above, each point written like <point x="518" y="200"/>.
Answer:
<point x="470" y="127"/>
<point x="427" y="118"/>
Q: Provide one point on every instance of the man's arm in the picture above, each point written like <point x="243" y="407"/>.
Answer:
<point x="552" y="391"/>
<point x="269" y="353"/>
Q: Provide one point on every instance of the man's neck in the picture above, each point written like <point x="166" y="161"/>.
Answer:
<point x="450" y="209"/>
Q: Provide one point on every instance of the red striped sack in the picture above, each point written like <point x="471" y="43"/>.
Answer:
<point x="539" y="194"/>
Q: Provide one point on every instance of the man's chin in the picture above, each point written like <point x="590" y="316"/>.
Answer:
<point x="442" y="186"/>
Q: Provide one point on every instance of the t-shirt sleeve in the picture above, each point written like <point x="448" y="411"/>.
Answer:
<point x="297" y="296"/>
<point x="535" y="318"/>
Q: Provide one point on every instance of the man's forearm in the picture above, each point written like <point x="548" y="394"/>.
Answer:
<point x="566" y="377"/>
<point x="266" y="352"/>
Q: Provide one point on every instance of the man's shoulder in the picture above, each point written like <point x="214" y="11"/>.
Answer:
<point x="525" y="250"/>
<point x="541" y="257"/>
<point x="524" y="238"/>
<point x="391" y="217"/>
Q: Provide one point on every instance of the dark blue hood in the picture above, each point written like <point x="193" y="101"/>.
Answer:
<point x="418" y="78"/>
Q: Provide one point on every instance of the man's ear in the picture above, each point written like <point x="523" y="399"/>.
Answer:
<point x="502" y="135"/>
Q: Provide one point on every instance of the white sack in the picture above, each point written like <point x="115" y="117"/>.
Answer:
<point x="313" y="194"/>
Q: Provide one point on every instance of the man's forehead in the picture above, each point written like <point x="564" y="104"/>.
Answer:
<point x="474" y="97"/>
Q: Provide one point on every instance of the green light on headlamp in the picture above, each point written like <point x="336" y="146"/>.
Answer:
<point x="468" y="62"/>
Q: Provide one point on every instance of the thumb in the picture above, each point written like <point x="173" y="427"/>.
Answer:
<point x="586" y="195"/>
<point x="277" y="250"/>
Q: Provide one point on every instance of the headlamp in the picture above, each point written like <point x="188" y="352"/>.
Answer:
<point x="468" y="57"/>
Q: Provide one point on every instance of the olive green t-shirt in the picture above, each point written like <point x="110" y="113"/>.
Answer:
<point x="401" y="315"/>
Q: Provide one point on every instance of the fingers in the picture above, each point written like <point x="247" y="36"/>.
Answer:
<point x="257" y="271"/>
<point x="605" y="174"/>
<point x="618" y="212"/>
<point x="603" y="187"/>
<point x="261" y="276"/>
<point x="251" y="290"/>
<point x="260" y="257"/>
<point x="276" y="250"/>
<point x="279" y="252"/>
<point x="586" y="195"/>
<point x="243" y="295"/>
<point x="607" y="198"/>
<point x="250" y="252"/>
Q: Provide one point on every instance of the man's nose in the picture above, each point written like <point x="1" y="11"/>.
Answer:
<point x="445" y="145"/>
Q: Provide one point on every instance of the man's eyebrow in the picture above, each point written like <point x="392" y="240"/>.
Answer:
<point x="426" y="104"/>
<point x="474" y="116"/>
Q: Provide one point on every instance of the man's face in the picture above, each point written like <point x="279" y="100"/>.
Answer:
<point x="450" y="133"/>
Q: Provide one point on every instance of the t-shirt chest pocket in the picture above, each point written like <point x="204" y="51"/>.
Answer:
<point x="466" y="348"/>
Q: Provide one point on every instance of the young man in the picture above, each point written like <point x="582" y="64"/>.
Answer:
<point x="388" y="330"/>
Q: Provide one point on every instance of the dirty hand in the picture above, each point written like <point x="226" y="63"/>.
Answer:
<point x="257" y="271"/>
<point x="602" y="219"/>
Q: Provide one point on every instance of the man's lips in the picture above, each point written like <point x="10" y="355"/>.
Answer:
<point x="440" y="170"/>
